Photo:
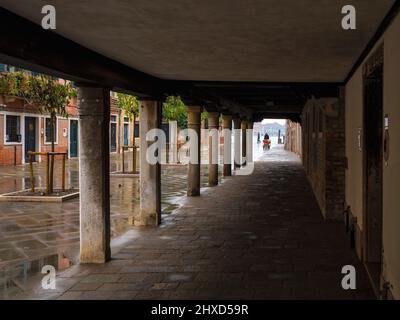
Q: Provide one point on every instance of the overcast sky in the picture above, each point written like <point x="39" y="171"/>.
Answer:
<point x="280" y="121"/>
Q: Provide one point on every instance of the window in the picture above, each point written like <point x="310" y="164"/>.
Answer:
<point x="13" y="128"/>
<point x="126" y="119"/>
<point x="113" y="118"/>
<point x="11" y="69"/>
<point x="47" y="131"/>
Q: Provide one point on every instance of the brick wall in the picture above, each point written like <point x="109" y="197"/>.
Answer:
<point x="293" y="137"/>
<point x="324" y="153"/>
<point x="335" y="159"/>
<point x="61" y="144"/>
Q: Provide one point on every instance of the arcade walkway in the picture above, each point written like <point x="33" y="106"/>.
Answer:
<point x="260" y="236"/>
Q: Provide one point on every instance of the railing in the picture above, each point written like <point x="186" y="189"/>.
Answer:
<point x="123" y="148"/>
<point x="49" y="156"/>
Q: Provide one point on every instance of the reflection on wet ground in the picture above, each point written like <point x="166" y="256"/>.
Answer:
<point x="36" y="234"/>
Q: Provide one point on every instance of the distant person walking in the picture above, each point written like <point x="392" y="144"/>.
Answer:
<point x="266" y="142"/>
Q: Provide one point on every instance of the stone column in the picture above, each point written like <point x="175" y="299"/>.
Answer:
<point x="236" y="147"/>
<point x="227" y="124"/>
<point x="150" y="174"/>
<point x="193" y="183"/>
<point x="213" y="146"/>
<point x="249" y="137"/>
<point x="244" y="148"/>
<point x="173" y="142"/>
<point x="94" y="174"/>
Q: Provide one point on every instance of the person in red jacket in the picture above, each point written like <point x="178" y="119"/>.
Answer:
<point x="266" y="142"/>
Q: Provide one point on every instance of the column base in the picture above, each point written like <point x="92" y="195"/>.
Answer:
<point x="147" y="219"/>
<point x="90" y="258"/>
<point x="227" y="170"/>
<point x="193" y="193"/>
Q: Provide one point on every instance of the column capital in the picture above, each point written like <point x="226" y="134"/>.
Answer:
<point x="236" y="122"/>
<point x="213" y="120"/>
<point x="90" y="98"/>
<point x="227" y="121"/>
<point x="213" y="114"/>
<point x="194" y="109"/>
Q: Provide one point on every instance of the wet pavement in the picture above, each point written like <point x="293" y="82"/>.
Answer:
<point x="36" y="234"/>
<point x="252" y="237"/>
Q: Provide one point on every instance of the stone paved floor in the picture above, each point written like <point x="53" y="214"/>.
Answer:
<point x="35" y="234"/>
<point x="253" y="237"/>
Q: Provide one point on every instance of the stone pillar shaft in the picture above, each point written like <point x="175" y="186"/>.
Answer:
<point x="227" y="124"/>
<point x="94" y="174"/>
<point x="249" y="155"/>
<point x="150" y="174"/>
<point x="237" y="136"/>
<point x="213" y="146"/>
<point x="173" y="142"/>
<point x="244" y="140"/>
<point x="194" y="164"/>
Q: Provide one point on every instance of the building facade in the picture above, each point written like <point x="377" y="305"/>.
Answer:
<point x="293" y="135"/>
<point x="24" y="128"/>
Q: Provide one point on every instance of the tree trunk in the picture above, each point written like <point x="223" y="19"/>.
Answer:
<point x="52" y="138"/>
<point x="133" y="131"/>
<point x="134" y="146"/>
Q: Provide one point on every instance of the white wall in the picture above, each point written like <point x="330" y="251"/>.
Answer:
<point x="391" y="173"/>
<point x="353" y="119"/>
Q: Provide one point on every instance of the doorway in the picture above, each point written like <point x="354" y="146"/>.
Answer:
<point x="30" y="137"/>
<point x="113" y="141"/>
<point x="73" y="138"/>
<point x="373" y="165"/>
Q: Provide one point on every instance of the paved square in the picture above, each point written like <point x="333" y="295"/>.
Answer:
<point x="253" y="237"/>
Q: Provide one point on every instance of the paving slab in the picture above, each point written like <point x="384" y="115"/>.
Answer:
<point x="260" y="236"/>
